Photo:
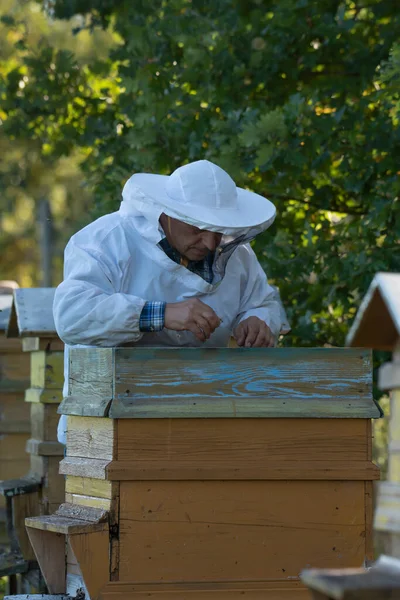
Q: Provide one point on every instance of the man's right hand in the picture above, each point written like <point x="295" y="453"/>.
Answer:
<point x="191" y="315"/>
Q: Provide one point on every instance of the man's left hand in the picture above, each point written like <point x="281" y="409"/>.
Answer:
<point x="254" y="333"/>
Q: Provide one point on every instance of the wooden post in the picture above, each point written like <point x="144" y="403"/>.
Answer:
<point x="212" y="473"/>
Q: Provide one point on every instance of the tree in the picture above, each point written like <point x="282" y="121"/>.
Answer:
<point x="296" y="99"/>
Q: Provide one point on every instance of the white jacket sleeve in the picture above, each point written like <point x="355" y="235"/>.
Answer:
<point x="259" y="299"/>
<point x="88" y="307"/>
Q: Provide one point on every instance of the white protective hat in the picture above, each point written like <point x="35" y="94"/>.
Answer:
<point x="203" y="194"/>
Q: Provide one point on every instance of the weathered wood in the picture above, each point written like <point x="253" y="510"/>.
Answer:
<point x="44" y="418"/>
<point x="221" y="530"/>
<point x="82" y="513"/>
<point x="90" y="382"/>
<point x="50" y="553"/>
<point x="47" y="370"/>
<point x="32" y="313"/>
<point x="40" y="448"/>
<point x="24" y="505"/>
<point x="248" y="590"/>
<point x="33" y="344"/>
<point x="50" y="396"/>
<point x="81" y="467"/>
<point x="63" y="526"/>
<point x="377" y="323"/>
<point x="260" y="382"/>
<point x="89" y="487"/>
<point x="91" y="437"/>
<point x="15" y="487"/>
<point x="91" y="551"/>
<point x="12" y="564"/>
<point x="93" y="501"/>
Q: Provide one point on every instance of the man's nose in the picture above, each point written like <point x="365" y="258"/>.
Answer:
<point x="211" y="240"/>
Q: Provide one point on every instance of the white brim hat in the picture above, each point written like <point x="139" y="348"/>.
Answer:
<point x="203" y="194"/>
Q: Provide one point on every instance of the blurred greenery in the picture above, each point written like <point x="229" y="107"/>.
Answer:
<point x="298" y="100"/>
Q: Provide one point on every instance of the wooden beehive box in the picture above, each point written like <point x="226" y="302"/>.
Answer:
<point x="38" y="489"/>
<point x="377" y="325"/>
<point x="14" y="413"/>
<point x="211" y="473"/>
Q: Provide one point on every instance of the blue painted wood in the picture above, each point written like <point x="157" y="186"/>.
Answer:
<point x="259" y="382"/>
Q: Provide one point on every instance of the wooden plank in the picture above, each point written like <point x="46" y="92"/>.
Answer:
<point x="369" y="517"/>
<point x="47" y="370"/>
<point x="33" y="344"/>
<point x="14" y="414"/>
<point x="90" y="382"/>
<point x="91" y="437"/>
<point x="102" y="503"/>
<point x="44" y="418"/>
<point x="40" y="448"/>
<point x="50" y="553"/>
<point x="91" y="551"/>
<point x="292" y="470"/>
<point x="241" y="442"/>
<point x="232" y="590"/>
<point x="24" y="505"/>
<point x="50" y="396"/>
<point x="34" y="310"/>
<point x="62" y="526"/>
<point x="15" y="367"/>
<point x="255" y="382"/>
<point x="89" y="487"/>
<point x="84" y="467"/>
<point x="228" y="530"/>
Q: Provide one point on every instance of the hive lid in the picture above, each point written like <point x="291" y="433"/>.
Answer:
<point x="377" y="323"/>
<point x="32" y="313"/>
<point x="147" y="383"/>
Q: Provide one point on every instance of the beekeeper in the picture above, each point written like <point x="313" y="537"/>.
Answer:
<point x="172" y="267"/>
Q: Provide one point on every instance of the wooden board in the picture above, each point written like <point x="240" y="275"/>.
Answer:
<point x="90" y="382"/>
<point x="44" y="418"/>
<point x="89" y="487"/>
<point x="249" y="590"/>
<point x="243" y="448"/>
<point x="32" y="313"/>
<point x="91" y="552"/>
<point x="91" y="437"/>
<point x="32" y="344"/>
<point x="84" y="467"/>
<point x="14" y="413"/>
<point x="228" y="530"/>
<point x="50" y="553"/>
<point x="47" y="370"/>
<point x="255" y="382"/>
<point x="50" y="396"/>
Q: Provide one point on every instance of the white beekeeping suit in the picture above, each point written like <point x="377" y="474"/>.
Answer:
<point x="115" y="265"/>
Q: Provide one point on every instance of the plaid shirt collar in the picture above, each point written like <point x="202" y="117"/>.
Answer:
<point x="202" y="268"/>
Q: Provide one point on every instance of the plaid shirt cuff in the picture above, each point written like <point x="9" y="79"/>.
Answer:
<point x="152" y="317"/>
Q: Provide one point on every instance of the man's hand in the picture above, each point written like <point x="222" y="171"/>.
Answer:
<point x="254" y="333"/>
<point x="192" y="315"/>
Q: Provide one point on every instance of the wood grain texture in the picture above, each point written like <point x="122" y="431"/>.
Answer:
<point x="50" y="553"/>
<point x="243" y="449"/>
<point x="93" y="501"/>
<point x="259" y="382"/>
<point x="249" y="590"/>
<point x="93" y="468"/>
<point x="91" y="551"/>
<point x="90" y="382"/>
<point x="91" y="437"/>
<point x="215" y="531"/>
<point x="89" y="487"/>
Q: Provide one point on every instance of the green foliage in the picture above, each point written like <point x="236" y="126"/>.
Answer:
<point x="296" y="99"/>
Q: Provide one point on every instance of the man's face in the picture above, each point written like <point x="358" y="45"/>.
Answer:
<point x="191" y="242"/>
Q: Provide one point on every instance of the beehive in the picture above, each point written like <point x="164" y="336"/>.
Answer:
<point x="211" y="473"/>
